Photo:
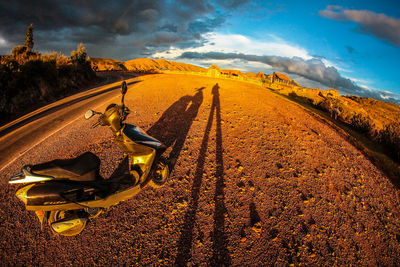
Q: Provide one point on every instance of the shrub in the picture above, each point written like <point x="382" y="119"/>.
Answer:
<point x="363" y="123"/>
<point x="18" y="50"/>
<point x="37" y="82"/>
<point x="51" y="58"/>
<point x="390" y="137"/>
<point x="79" y="55"/>
<point x="62" y="59"/>
<point x="119" y="66"/>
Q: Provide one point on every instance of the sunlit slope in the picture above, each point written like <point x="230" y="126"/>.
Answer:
<point x="142" y="65"/>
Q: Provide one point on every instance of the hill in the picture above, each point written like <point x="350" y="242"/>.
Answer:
<point x="151" y="65"/>
<point x="147" y="64"/>
<point x="142" y="65"/>
<point x="104" y="64"/>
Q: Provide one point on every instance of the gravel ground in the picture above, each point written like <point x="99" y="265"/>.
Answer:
<point x="256" y="180"/>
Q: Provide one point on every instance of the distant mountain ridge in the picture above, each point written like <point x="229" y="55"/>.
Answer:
<point x="142" y="65"/>
<point x="160" y="64"/>
<point x="147" y="64"/>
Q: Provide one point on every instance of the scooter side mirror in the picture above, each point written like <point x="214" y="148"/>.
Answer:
<point x="124" y="88"/>
<point x="90" y="113"/>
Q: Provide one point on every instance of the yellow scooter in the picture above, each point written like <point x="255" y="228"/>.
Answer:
<point x="68" y="193"/>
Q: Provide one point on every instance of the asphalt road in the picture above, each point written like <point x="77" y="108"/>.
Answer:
<point x="20" y="135"/>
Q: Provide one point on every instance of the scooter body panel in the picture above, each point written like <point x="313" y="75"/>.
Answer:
<point x="54" y="193"/>
<point x="141" y="148"/>
<point x="108" y="201"/>
<point x="137" y="135"/>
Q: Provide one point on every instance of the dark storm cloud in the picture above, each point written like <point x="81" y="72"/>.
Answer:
<point x="378" y="25"/>
<point x="313" y="69"/>
<point x="139" y="23"/>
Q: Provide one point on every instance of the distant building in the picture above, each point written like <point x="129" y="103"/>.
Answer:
<point x="282" y="79"/>
<point x="214" y="71"/>
<point x="235" y="73"/>
<point x="261" y="76"/>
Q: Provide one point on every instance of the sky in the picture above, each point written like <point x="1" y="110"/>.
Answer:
<point x="349" y="45"/>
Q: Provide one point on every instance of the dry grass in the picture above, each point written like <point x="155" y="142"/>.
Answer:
<point x="370" y="124"/>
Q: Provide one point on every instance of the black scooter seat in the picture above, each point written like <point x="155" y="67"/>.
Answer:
<point x="82" y="168"/>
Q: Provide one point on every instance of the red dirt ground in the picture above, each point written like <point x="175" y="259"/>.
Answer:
<point x="256" y="180"/>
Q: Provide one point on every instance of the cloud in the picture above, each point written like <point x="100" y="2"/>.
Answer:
<point x="378" y="25"/>
<point x="142" y="24"/>
<point x="313" y="69"/>
<point x="3" y="42"/>
<point x="233" y="43"/>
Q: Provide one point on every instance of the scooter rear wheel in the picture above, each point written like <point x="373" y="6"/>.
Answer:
<point x="161" y="174"/>
<point x="58" y="215"/>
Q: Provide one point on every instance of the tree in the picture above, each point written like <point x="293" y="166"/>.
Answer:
<point x="79" y="55"/>
<point x="29" y="38"/>
<point x="18" y="50"/>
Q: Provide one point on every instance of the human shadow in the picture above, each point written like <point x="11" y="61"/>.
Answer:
<point x="220" y="252"/>
<point x="173" y="126"/>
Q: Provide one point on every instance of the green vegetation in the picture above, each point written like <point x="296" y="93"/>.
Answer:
<point x="79" y="56"/>
<point x="29" y="79"/>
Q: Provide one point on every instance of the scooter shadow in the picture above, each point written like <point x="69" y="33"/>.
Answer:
<point x="172" y="128"/>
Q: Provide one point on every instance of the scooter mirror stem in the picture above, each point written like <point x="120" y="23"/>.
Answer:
<point x="122" y="101"/>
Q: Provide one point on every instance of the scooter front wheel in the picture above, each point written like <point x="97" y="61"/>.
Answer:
<point x="161" y="173"/>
